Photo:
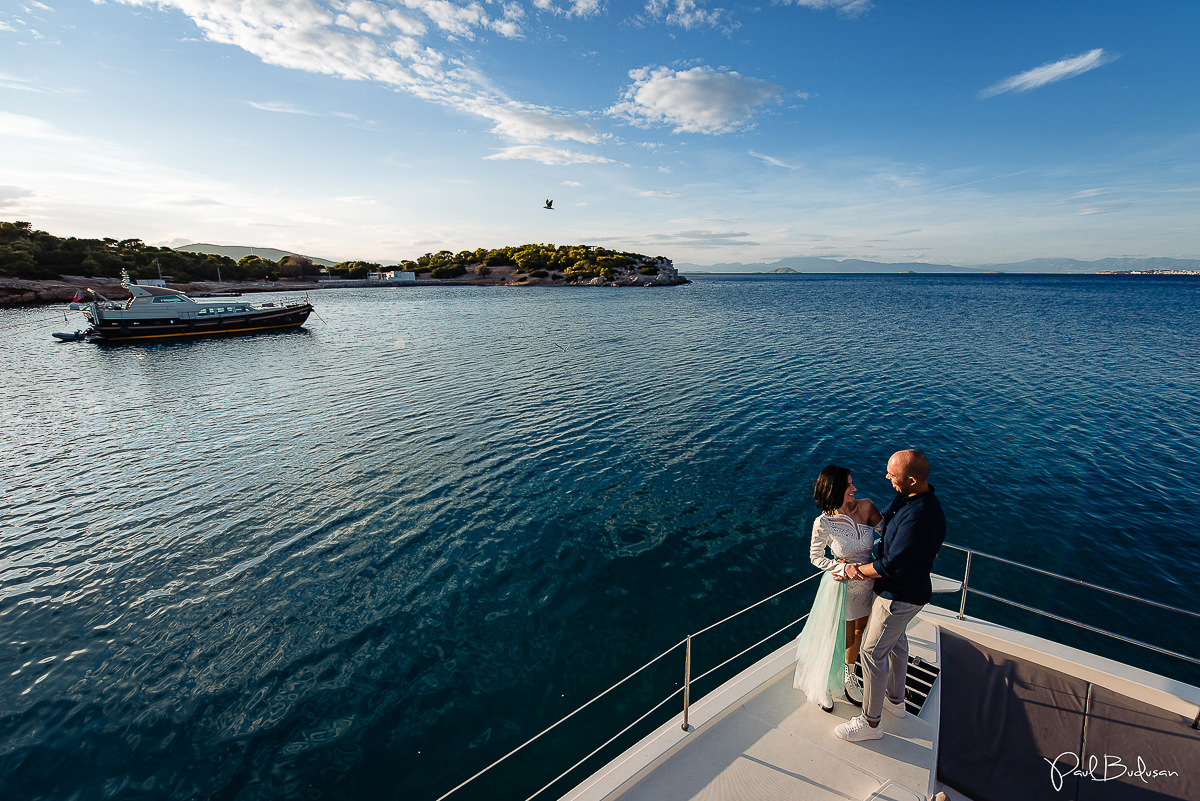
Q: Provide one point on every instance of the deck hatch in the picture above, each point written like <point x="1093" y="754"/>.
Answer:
<point x="918" y="682"/>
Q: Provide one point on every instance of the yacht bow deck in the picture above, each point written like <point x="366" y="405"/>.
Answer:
<point x="1015" y="701"/>
<point x="758" y="738"/>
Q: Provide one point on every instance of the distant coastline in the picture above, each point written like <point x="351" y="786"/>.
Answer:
<point x="15" y="292"/>
<point x="29" y="292"/>
<point x="988" y="274"/>
<point x="1048" y="266"/>
<point x="37" y="267"/>
<point x="1149" y="272"/>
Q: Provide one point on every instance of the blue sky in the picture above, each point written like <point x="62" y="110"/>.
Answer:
<point x="948" y="132"/>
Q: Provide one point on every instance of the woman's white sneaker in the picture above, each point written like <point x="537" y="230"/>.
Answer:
<point x="857" y="729"/>
<point x="854" y="693"/>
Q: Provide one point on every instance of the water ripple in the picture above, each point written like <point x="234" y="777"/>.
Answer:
<point x="365" y="559"/>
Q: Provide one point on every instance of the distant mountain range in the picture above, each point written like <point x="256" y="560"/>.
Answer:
<point x="814" y="264"/>
<point x="237" y="252"/>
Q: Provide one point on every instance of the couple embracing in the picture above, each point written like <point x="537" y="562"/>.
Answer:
<point x="866" y="599"/>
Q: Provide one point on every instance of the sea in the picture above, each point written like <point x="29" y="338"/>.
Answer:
<point x="368" y="558"/>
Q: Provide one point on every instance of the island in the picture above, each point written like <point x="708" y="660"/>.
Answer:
<point x="523" y="265"/>
<point x="38" y="268"/>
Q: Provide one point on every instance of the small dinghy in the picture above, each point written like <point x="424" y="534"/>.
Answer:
<point x="72" y="337"/>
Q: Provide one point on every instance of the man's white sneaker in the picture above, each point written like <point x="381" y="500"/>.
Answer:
<point x="893" y="708"/>
<point x="857" y="729"/>
<point x="854" y="692"/>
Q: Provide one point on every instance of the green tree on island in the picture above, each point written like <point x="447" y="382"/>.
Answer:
<point x="36" y="255"/>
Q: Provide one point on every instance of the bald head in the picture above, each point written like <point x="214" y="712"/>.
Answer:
<point x="908" y="470"/>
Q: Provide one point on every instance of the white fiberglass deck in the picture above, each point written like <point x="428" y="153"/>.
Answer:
<point x="756" y="737"/>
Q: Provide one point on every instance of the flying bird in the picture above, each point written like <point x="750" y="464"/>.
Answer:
<point x="549" y="204"/>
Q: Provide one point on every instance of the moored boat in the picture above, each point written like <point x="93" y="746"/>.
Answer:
<point x="155" y="312"/>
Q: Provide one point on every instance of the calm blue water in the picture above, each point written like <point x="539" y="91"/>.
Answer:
<point x="366" y="559"/>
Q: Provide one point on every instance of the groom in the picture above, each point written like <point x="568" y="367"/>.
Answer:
<point x="913" y="530"/>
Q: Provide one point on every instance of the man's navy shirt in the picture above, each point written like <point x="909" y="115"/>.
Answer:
<point x="914" y="528"/>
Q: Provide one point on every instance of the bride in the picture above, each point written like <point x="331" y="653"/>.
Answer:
<point x="846" y="527"/>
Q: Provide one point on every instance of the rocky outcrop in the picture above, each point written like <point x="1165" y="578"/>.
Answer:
<point x="21" y="292"/>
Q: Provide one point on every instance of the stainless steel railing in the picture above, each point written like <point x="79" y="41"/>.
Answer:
<point x="689" y="680"/>
<point x="686" y="644"/>
<point x="968" y="590"/>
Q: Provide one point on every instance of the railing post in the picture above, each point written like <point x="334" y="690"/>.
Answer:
<point x="687" y="680"/>
<point x="966" y="577"/>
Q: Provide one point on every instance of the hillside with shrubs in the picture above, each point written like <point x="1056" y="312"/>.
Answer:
<point x="29" y="255"/>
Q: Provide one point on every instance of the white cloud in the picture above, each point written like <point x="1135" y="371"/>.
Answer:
<point x="192" y="202"/>
<point x="699" y="100"/>
<point x="96" y="174"/>
<point x="19" y="84"/>
<point x="774" y="162"/>
<point x="687" y="14"/>
<point x="569" y="8"/>
<point x="358" y="40"/>
<point x="279" y="107"/>
<point x="524" y="123"/>
<point x="702" y="238"/>
<point x="20" y="126"/>
<point x="363" y="40"/>
<point x="457" y="20"/>
<point x="547" y="155"/>
<point x="657" y="193"/>
<point x="1049" y="73"/>
<point x="847" y="8"/>
<point x="12" y="196"/>
<point x="510" y="25"/>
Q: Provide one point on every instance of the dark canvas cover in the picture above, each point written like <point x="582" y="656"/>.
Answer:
<point x="1013" y="730"/>
<point x="1003" y="720"/>
<point x="1139" y="752"/>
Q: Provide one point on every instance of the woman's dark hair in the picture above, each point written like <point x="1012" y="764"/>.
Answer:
<point x="829" y="490"/>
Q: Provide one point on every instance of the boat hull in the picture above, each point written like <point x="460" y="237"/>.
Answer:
<point x="109" y="330"/>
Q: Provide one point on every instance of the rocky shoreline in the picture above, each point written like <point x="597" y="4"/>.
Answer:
<point x="23" y="292"/>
